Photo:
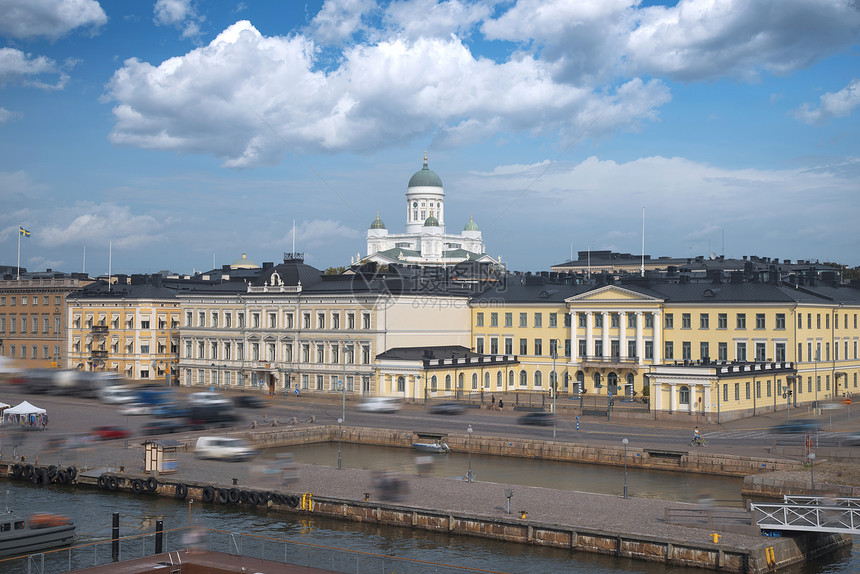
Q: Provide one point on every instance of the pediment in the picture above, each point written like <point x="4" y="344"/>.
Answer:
<point x="612" y="293"/>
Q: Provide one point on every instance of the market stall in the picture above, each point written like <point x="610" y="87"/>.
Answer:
<point x="25" y="416"/>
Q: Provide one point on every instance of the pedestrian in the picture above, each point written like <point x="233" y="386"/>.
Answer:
<point x="501" y="404"/>
<point x="493" y="402"/>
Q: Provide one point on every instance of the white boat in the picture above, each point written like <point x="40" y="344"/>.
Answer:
<point x="22" y="535"/>
<point x="436" y="446"/>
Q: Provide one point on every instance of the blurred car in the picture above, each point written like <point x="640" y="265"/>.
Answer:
<point x="218" y="415"/>
<point x="248" y="401"/>
<point x="446" y="409"/>
<point x="208" y="398"/>
<point x="799" y="425"/>
<point x="171" y="411"/>
<point x="539" y="418"/>
<point x="162" y="427"/>
<point x="136" y="409"/>
<point x="117" y="394"/>
<point x="380" y="405"/>
<point x="851" y="439"/>
<point x="110" y="432"/>
<point x="224" y="448"/>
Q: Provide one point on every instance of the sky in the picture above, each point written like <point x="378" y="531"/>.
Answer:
<point x="178" y="134"/>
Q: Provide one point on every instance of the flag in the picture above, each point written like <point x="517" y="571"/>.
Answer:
<point x="23" y="232"/>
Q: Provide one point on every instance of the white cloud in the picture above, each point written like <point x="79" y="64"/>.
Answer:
<point x="319" y="232"/>
<point x="831" y="105"/>
<point x="431" y="18"/>
<point x="7" y="115"/>
<point x="338" y="20"/>
<point x="180" y="14"/>
<point x="100" y="223"/>
<point x="16" y="67"/>
<point x="49" y="18"/>
<point x="250" y="99"/>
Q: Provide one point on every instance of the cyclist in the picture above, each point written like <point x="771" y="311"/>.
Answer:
<point x="697" y="436"/>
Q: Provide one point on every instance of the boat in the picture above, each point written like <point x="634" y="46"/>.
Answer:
<point x="435" y="446"/>
<point x="23" y="535"/>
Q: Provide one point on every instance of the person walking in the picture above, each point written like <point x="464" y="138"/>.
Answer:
<point x="501" y="404"/>
<point x="493" y="402"/>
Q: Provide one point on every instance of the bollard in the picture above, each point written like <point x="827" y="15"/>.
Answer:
<point x="716" y="537"/>
<point x="159" y="536"/>
<point x="235" y="481"/>
<point x="114" y="543"/>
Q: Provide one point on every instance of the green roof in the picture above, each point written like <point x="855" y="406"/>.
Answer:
<point x="377" y="223"/>
<point x="471" y="225"/>
<point x="431" y="222"/>
<point x="425" y="178"/>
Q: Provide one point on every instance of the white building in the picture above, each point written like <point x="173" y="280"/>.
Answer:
<point x="425" y="241"/>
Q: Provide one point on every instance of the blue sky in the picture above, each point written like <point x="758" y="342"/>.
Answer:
<point x="184" y="132"/>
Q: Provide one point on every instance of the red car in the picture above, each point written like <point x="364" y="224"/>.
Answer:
<point x="110" y="432"/>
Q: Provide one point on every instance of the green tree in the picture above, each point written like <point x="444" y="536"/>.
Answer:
<point x="335" y="270"/>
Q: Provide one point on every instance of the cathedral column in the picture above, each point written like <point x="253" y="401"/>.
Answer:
<point x="606" y="348"/>
<point x="640" y="340"/>
<point x="589" y="345"/>
<point x="657" y="339"/>
<point x="622" y="335"/>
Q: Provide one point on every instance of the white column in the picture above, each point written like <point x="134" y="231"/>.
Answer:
<point x="673" y="397"/>
<point x="658" y="326"/>
<point x="640" y="340"/>
<point x="605" y="334"/>
<point x="622" y="335"/>
<point x="658" y="396"/>
<point x="589" y="333"/>
<point x="694" y="391"/>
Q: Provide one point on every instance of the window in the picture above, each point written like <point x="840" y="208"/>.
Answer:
<point x="818" y="320"/>
<point x="768" y="388"/>
<point x="144" y="349"/>
<point x="631" y="349"/>
<point x="722" y="351"/>
<point x="631" y="320"/>
<point x="273" y="320"/>
<point x="494" y="319"/>
<point x="553" y="347"/>
<point x="306" y="320"/>
<point x="553" y="319"/>
<point x="759" y="321"/>
<point x="669" y="321"/>
<point x="649" y="321"/>
<point x="582" y="320"/>
<point x="684" y="395"/>
<point x="704" y="351"/>
<point x="350" y="321"/>
<point x="240" y="320"/>
<point x="320" y="320"/>
<point x="760" y="352"/>
<point x="538" y="379"/>
<point x="538" y="320"/>
<point x="524" y="379"/>
<point x="509" y="346"/>
<point x="538" y="346"/>
<point x="524" y="346"/>
<point x="704" y="321"/>
<point x="494" y="345"/>
<point x="567" y="347"/>
<point x="255" y="320"/>
<point x="669" y="350"/>
<point x="335" y="320"/>
<point x="758" y="389"/>
<point x="479" y="320"/>
<point x="614" y="320"/>
<point x="827" y="321"/>
<point x="780" y="321"/>
<point x="742" y="321"/>
<point x="567" y="321"/>
<point x="365" y="320"/>
<point x="188" y="318"/>
<point x="737" y="391"/>
<point x="809" y="320"/>
<point x="741" y="351"/>
<point x="686" y="352"/>
<point x="509" y="319"/>
<point x="598" y="320"/>
<point x="479" y="345"/>
<point x="685" y="321"/>
<point x="747" y="389"/>
<point x="582" y="348"/>
<point x="598" y="348"/>
<point x="524" y="320"/>
<point x="780" y="352"/>
<point x="649" y="349"/>
<point x="722" y="321"/>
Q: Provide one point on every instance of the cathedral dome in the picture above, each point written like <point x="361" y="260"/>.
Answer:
<point x="471" y="225"/>
<point x="431" y="222"/>
<point x="244" y="263"/>
<point x="377" y="223"/>
<point x="425" y="177"/>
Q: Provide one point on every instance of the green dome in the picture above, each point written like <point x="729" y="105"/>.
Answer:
<point x="431" y="222"/>
<point x="377" y="223"/>
<point x="425" y="177"/>
<point x="471" y="225"/>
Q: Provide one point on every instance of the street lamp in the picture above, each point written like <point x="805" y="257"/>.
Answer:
<point x="811" y="457"/>
<point x="218" y="380"/>
<point x="339" y="435"/>
<point x="624" y="442"/>
<point x="469" y="476"/>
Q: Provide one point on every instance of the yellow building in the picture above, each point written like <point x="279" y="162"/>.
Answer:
<point x="130" y="327"/>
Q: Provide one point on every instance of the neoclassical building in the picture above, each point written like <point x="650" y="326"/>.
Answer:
<point x="425" y="241"/>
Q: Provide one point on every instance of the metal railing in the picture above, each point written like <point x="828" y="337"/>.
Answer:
<point x="810" y="514"/>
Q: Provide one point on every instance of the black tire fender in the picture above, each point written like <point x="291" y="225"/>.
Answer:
<point x="151" y="484"/>
<point x="29" y="471"/>
<point x="102" y="481"/>
<point x="17" y="470"/>
<point x="72" y="472"/>
<point x="243" y="496"/>
<point x="222" y="496"/>
<point x="181" y="491"/>
<point x="137" y="486"/>
<point x="62" y="477"/>
<point x="112" y="483"/>
<point x="208" y="494"/>
<point x="253" y="498"/>
<point x="235" y="495"/>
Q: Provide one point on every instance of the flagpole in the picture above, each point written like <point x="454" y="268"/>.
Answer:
<point x="18" y="272"/>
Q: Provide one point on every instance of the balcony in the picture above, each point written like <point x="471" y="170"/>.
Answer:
<point x="100" y="329"/>
<point x="99" y="354"/>
<point x="609" y="362"/>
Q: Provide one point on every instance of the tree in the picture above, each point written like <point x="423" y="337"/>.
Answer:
<point x="335" y="270"/>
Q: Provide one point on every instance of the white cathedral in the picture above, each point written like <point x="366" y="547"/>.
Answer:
<point x="425" y="241"/>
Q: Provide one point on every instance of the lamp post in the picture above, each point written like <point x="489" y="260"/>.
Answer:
<point x="624" y="442"/>
<point x="553" y="381"/>
<point x="218" y="380"/>
<point x="811" y="457"/>
<point x="469" y="475"/>
<point x="339" y="435"/>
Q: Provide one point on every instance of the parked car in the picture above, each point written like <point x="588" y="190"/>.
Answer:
<point x="798" y="425"/>
<point x="224" y="448"/>
<point x="248" y="401"/>
<point x="537" y="418"/>
<point x="380" y="405"/>
<point x="162" y="427"/>
<point x="446" y="408"/>
<point x="110" y="432"/>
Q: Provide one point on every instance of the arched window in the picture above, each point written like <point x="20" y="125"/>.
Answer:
<point x="499" y="380"/>
<point x="401" y="384"/>
<point x="447" y="382"/>
<point x="524" y="379"/>
<point x="460" y="381"/>
<point x="566" y="381"/>
<point x="486" y="380"/>
<point x="612" y="382"/>
<point x="538" y="377"/>
<point x="596" y="380"/>
<point x="511" y="378"/>
<point x="684" y="395"/>
<point x="433" y="383"/>
<point x="474" y="380"/>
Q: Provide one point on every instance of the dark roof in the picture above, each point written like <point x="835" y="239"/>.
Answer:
<point x="421" y="353"/>
<point x="292" y="271"/>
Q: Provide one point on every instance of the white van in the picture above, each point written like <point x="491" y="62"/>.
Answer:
<point x="117" y="394"/>
<point x="224" y="448"/>
<point x="380" y="405"/>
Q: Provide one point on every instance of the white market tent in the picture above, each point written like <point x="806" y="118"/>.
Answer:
<point x="26" y="415"/>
